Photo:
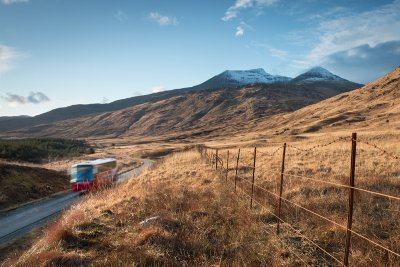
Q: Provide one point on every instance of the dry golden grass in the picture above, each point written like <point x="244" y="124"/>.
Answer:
<point x="374" y="217"/>
<point x="202" y="223"/>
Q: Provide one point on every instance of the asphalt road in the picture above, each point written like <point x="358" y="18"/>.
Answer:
<point x="18" y="222"/>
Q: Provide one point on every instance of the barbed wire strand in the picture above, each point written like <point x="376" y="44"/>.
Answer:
<point x="294" y="229"/>
<point x="319" y="146"/>
<point x="260" y="153"/>
<point x="344" y="186"/>
<point x="327" y="219"/>
<point x="379" y="148"/>
<point x="277" y="236"/>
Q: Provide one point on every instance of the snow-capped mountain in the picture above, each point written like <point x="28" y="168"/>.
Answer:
<point x="237" y="78"/>
<point x="253" y="76"/>
<point x="317" y="74"/>
<point x="314" y="85"/>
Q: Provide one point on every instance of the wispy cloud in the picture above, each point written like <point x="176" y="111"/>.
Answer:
<point x="275" y="52"/>
<point x="239" y="31"/>
<point x="10" y="2"/>
<point x="163" y="20"/>
<point x="242" y="28"/>
<point x="281" y="54"/>
<point x="7" y="56"/>
<point x="368" y="28"/>
<point x="239" y="5"/>
<point x="120" y="15"/>
<point x="33" y="98"/>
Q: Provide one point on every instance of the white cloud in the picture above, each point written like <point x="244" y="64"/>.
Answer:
<point x="281" y="54"/>
<point x="239" y="31"/>
<point x="7" y="56"/>
<point x="344" y="33"/>
<point x="121" y="16"/>
<point x="233" y="10"/>
<point x="275" y="52"/>
<point x="157" y="89"/>
<point x="163" y="20"/>
<point x="242" y="28"/>
<point x="10" y="2"/>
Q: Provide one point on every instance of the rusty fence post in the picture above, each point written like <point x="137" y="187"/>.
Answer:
<point x="252" y="182"/>
<point x="227" y="166"/>
<point x="216" y="159"/>
<point x="281" y="188"/>
<point x="237" y="165"/>
<point x="351" y="198"/>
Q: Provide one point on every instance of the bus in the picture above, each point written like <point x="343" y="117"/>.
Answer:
<point x="94" y="174"/>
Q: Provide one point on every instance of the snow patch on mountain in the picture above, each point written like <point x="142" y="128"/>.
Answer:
<point x="317" y="74"/>
<point x="253" y="76"/>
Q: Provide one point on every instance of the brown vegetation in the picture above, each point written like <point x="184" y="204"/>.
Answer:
<point x="201" y="223"/>
<point x="20" y="184"/>
<point x="375" y="217"/>
<point x="196" y="114"/>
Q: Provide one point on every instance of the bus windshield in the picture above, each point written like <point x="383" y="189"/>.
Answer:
<point x="82" y="173"/>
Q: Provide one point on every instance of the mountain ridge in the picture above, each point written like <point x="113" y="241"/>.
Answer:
<point x="80" y="110"/>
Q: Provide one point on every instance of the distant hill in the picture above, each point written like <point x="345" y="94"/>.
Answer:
<point x="20" y="184"/>
<point x="227" y="83"/>
<point x="6" y="118"/>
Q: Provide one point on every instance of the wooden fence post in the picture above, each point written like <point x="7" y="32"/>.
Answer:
<point x="237" y="165"/>
<point x="351" y="198"/>
<point x="216" y="159"/>
<point x="227" y="166"/>
<point x="281" y="188"/>
<point x="252" y="182"/>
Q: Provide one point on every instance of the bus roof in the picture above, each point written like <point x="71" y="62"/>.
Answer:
<point x="95" y="162"/>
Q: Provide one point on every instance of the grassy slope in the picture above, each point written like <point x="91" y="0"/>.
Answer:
<point x="194" y="113"/>
<point x="20" y="184"/>
<point x="206" y="223"/>
<point x="202" y="224"/>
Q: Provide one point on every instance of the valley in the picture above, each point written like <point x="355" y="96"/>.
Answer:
<point x="184" y="192"/>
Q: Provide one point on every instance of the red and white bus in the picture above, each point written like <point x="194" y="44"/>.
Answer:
<point x="93" y="174"/>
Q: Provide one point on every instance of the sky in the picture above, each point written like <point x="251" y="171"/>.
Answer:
<point x="56" y="53"/>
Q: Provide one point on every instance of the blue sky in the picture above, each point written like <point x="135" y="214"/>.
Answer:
<point x="56" y="53"/>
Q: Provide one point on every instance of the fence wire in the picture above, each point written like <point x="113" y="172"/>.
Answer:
<point x="249" y="166"/>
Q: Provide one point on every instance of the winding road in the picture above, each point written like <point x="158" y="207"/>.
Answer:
<point x="18" y="222"/>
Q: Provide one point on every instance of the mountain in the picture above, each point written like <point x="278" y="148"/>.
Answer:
<point x="237" y="78"/>
<point x="193" y="113"/>
<point x="317" y="74"/>
<point x="313" y="91"/>
<point x="376" y="106"/>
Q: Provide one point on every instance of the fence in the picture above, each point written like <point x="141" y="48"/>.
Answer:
<point x="255" y="192"/>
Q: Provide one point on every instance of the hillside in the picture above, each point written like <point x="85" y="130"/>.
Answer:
<point x="197" y="112"/>
<point x="375" y="106"/>
<point x="226" y="80"/>
<point x="20" y="184"/>
<point x="183" y="212"/>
